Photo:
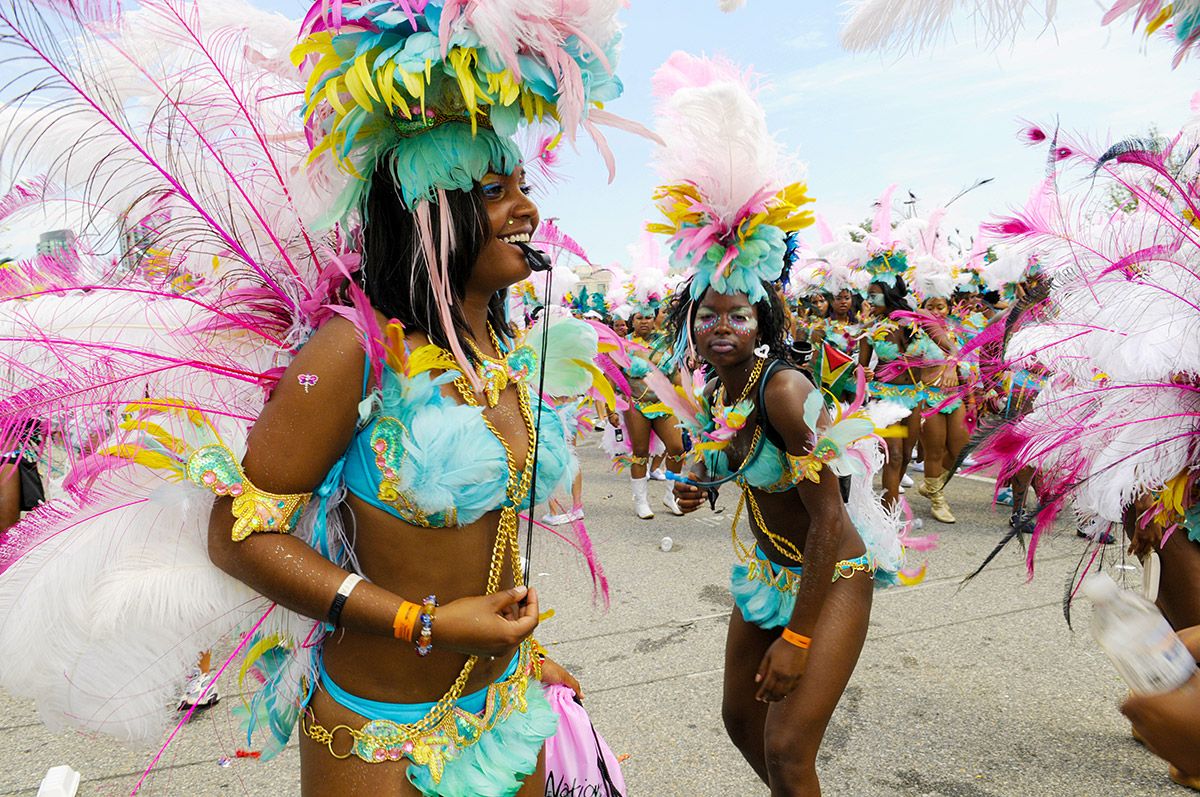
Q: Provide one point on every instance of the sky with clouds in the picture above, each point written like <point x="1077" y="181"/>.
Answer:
<point x="933" y="122"/>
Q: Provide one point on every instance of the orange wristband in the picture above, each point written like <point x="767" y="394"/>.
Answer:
<point x="799" y="640"/>
<point x="406" y="619"/>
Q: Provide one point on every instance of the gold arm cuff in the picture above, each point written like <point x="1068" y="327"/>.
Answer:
<point x="215" y="468"/>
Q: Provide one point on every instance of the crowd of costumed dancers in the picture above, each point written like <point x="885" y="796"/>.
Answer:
<point x="312" y="363"/>
<point x="1095" y="360"/>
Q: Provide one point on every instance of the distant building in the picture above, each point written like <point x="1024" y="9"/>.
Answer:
<point x="55" y="241"/>
<point x="594" y="280"/>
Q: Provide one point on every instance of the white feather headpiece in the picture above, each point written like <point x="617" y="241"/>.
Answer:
<point x="730" y="195"/>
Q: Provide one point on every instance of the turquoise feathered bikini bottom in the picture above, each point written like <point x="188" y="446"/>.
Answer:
<point x="907" y="396"/>
<point x="934" y="396"/>
<point x="912" y="396"/>
<point x="487" y="747"/>
<point x="765" y="592"/>
<point x="649" y="414"/>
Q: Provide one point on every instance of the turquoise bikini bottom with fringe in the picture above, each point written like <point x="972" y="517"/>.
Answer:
<point x="488" y="750"/>
<point x="765" y="592"/>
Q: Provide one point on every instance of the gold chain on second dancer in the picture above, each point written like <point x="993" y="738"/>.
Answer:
<point x="755" y="373"/>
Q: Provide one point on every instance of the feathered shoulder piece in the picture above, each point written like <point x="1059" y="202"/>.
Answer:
<point x="452" y="80"/>
<point x="730" y="196"/>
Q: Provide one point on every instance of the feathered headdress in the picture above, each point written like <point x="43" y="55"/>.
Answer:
<point x="729" y="194"/>
<point x="934" y="262"/>
<point x="436" y="89"/>
<point x="887" y="256"/>
<point x="833" y="265"/>
<point x="648" y="284"/>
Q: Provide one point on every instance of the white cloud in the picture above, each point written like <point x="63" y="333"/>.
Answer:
<point x="809" y="40"/>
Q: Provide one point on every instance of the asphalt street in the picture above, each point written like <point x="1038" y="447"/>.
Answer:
<point x="975" y="690"/>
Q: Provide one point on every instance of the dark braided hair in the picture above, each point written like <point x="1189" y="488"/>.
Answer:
<point x="396" y="274"/>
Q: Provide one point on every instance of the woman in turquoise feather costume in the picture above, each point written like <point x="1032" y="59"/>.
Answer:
<point x="944" y="430"/>
<point x="648" y="419"/>
<point x="812" y="566"/>
<point x="889" y="341"/>
<point x="412" y="418"/>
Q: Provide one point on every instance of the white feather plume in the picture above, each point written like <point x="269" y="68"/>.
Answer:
<point x="910" y="24"/>
<point x="715" y="134"/>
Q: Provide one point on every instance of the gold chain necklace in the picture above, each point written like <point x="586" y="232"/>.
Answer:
<point x="518" y="486"/>
<point x="755" y="373"/>
<point x="494" y="372"/>
<point x="780" y="543"/>
<point x="507" y="541"/>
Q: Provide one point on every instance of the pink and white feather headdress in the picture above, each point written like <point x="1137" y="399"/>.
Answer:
<point x="730" y="195"/>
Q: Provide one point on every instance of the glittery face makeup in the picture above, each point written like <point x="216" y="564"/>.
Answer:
<point x="741" y="320"/>
<point x="706" y="321"/>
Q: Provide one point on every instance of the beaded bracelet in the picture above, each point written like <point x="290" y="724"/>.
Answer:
<point x="425" y="639"/>
<point x="799" y="640"/>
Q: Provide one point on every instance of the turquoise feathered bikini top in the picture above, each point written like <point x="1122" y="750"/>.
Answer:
<point x="432" y="462"/>
<point x="766" y="469"/>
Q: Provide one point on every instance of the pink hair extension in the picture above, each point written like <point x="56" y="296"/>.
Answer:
<point x="439" y="279"/>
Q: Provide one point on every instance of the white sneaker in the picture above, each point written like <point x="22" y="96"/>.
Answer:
<point x="659" y="475"/>
<point x="557" y="520"/>
<point x="919" y="467"/>
<point x="906" y="481"/>
<point x="196" y="684"/>
<point x="575" y="514"/>
<point x="671" y="504"/>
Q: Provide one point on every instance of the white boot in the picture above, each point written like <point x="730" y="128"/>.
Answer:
<point x="641" y="504"/>
<point x="669" y="500"/>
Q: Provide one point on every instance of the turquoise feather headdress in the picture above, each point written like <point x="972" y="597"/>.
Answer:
<point x="436" y="89"/>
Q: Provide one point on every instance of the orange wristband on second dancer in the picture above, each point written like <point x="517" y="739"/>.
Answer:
<point x="799" y="640"/>
<point x="406" y="620"/>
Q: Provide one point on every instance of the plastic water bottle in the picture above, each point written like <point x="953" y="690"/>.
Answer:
<point x="1136" y="637"/>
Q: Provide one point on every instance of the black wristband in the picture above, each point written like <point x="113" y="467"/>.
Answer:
<point x="339" y="600"/>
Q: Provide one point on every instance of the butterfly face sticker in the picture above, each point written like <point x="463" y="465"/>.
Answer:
<point x="306" y="380"/>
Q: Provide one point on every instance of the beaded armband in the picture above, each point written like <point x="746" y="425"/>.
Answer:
<point x="215" y="468"/>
